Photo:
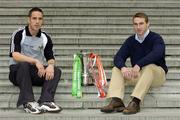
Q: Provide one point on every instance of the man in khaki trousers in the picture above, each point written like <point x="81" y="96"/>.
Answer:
<point x="146" y="50"/>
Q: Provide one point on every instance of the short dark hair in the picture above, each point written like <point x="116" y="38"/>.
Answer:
<point x="141" y="15"/>
<point x="34" y="9"/>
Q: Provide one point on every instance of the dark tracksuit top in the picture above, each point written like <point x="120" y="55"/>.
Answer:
<point x="150" y="51"/>
<point x="39" y="47"/>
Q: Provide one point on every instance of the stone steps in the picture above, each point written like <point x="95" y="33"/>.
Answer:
<point x="8" y="101"/>
<point x="108" y="30"/>
<point x="67" y="62"/>
<point x="64" y="87"/>
<point x="93" y="4"/>
<point x="113" y="12"/>
<point x="102" y="50"/>
<point x="173" y="74"/>
<point x="166" y="96"/>
<point x="65" y="20"/>
<point x="92" y="39"/>
<point x="93" y="114"/>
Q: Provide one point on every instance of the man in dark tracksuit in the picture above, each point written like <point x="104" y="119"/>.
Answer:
<point x="32" y="63"/>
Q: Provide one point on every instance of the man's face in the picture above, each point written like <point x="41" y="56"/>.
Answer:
<point x="140" y="25"/>
<point x="35" y="21"/>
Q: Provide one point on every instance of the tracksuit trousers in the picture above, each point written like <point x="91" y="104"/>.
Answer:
<point x="25" y="75"/>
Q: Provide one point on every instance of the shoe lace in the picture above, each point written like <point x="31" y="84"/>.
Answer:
<point x="34" y="105"/>
<point x="50" y="104"/>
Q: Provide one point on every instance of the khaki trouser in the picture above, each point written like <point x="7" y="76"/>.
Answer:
<point x="150" y="75"/>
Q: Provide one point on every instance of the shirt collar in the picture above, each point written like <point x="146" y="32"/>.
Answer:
<point x="29" y="34"/>
<point x="145" y="35"/>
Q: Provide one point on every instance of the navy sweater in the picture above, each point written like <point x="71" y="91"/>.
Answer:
<point x="150" y="51"/>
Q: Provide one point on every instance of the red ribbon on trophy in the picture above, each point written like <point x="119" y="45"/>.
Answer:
<point x="100" y="79"/>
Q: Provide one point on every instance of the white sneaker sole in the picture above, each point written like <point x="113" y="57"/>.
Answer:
<point x="47" y="109"/>
<point x="28" y="111"/>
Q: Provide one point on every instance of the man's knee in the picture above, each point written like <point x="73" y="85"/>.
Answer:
<point x="57" y="72"/>
<point x="117" y="72"/>
<point x="115" y="69"/>
<point x="150" y="71"/>
<point x="150" y="66"/>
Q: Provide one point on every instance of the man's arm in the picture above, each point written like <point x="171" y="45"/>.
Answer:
<point x="22" y="58"/>
<point x="15" y="49"/>
<point x="122" y="54"/>
<point x="157" y="53"/>
<point x="48" y="53"/>
<point x="50" y="70"/>
<point x="51" y="62"/>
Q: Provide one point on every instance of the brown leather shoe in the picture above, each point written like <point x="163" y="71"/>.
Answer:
<point x="115" y="104"/>
<point x="132" y="108"/>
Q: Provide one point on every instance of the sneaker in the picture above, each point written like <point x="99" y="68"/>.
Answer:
<point x="32" y="107"/>
<point x="50" y="107"/>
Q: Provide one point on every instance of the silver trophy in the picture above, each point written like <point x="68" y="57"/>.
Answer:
<point x="87" y="80"/>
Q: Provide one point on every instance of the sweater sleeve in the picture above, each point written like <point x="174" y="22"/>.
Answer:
<point x="157" y="52"/>
<point x="121" y="56"/>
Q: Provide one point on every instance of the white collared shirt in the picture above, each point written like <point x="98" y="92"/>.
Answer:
<point x="139" y="39"/>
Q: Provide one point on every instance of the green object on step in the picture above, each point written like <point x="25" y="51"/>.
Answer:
<point x="77" y="76"/>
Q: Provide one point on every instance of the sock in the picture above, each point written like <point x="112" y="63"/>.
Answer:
<point x="136" y="100"/>
<point x="117" y="99"/>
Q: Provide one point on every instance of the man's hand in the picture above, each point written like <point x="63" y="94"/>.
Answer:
<point x="49" y="72"/>
<point x="127" y="73"/>
<point x="135" y="71"/>
<point x="40" y="67"/>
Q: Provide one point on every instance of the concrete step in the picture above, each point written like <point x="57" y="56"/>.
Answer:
<point x="66" y="20"/>
<point x="67" y="62"/>
<point x="96" y="4"/>
<point x="102" y="50"/>
<point x="173" y="74"/>
<point x="94" y="11"/>
<point x="166" y="96"/>
<point x="96" y="29"/>
<point x="92" y="40"/>
<point x="64" y="87"/>
<point x="93" y="114"/>
<point x="8" y="101"/>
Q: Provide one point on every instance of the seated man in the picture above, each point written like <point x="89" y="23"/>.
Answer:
<point x="146" y="50"/>
<point x="29" y="49"/>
